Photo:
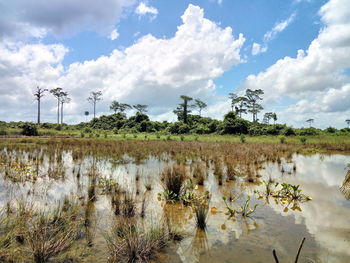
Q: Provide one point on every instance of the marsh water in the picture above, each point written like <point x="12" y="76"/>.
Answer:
<point x="324" y="221"/>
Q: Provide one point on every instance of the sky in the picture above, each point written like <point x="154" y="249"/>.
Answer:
<point x="152" y="52"/>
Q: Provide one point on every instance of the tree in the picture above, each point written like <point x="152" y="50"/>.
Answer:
<point x="119" y="107"/>
<point x="182" y="110"/>
<point x="253" y="96"/>
<point x="267" y="117"/>
<point x="233" y="97"/>
<point x="141" y="108"/>
<point x="242" y="106"/>
<point x="310" y="121"/>
<point x="95" y="96"/>
<point x="274" y="117"/>
<point x="38" y="95"/>
<point x="348" y="123"/>
<point x="57" y="92"/>
<point x="64" y="99"/>
<point x="200" y="105"/>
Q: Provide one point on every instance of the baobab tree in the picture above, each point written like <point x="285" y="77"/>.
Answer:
<point x="200" y="105"/>
<point x="348" y="123"/>
<point x="57" y="93"/>
<point x="38" y="95"/>
<point x="64" y="99"/>
<point x="95" y="96"/>
<point x="310" y="121"/>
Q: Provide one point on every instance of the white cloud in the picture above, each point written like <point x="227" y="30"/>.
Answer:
<point x="316" y="76"/>
<point x="35" y="18"/>
<point x="143" y="9"/>
<point x="257" y="49"/>
<point x="272" y="34"/>
<point x="278" y="28"/>
<point x="114" y="35"/>
<point x="153" y="71"/>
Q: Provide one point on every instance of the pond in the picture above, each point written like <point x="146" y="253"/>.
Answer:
<point x="45" y="179"/>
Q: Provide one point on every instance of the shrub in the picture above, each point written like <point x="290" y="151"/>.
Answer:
<point x="29" y="129"/>
<point x="303" y="139"/>
<point x="331" y="130"/>
<point x="288" y="131"/>
<point x="282" y="139"/>
<point x="3" y="131"/>
<point x="242" y="138"/>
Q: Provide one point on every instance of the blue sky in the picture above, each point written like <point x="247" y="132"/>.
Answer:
<point x="162" y="49"/>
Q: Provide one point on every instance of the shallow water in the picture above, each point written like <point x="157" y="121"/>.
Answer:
<point x="323" y="221"/>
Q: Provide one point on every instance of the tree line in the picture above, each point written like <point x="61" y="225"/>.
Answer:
<point x="249" y="103"/>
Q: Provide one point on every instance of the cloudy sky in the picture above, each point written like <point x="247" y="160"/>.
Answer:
<point x="151" y="52"/>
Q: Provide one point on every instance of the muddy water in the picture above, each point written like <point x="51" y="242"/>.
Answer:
<point x="324" y="221"/>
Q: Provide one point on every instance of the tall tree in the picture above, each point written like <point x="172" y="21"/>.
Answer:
<point x="348" y="123"/>
<point x="233" y="97"/>
<point x="38" y="95"/>
<point x="200" y="105"/>
<point x="242" y="106"/>
<point x="253" y="97"/>
<point x="119" y="107"/>
<point x="57" y="92"/>
<point x="95" y="96"/>
<point x="310" y="121"/>
<point x="268" y="116"/>
<point x="64" y="99"/>
<point x="141" y="108"/>
<point x="183" y="109"/>
<point x="274" y="117"/>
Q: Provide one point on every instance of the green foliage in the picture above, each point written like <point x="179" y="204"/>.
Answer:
<point x="282" y="139"/>
<point x="288" y="131"/>
<point x="242" y="138"/>
<point x="331" y="130"/>
<point x="29" y="129"/>
<point x="303" y="139"/>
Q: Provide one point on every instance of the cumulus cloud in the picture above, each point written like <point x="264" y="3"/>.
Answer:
<point x="36" y="18"/>
<point x="143" y="9"/>
<point x="153" y="71"/>
<point x="22" y="68"/>
<point x="316" y="76"/>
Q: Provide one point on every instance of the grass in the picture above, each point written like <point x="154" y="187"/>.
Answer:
<point x="109" y="135"/>
<point x="173" y="179"/>
<point x="128" y="241"/>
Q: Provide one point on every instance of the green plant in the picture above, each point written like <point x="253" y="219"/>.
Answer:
<point x="244" y="210"/>
<point x="29" y="129"/>
<point x="302" y="139"/>
<point x="173" y="179"/>
<point x="127" y="241"/>
<point x="282" y="139"/>
<point x="242" y="138"/>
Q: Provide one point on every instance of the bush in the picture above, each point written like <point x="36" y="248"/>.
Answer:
<point x="234" y="126"/>
<point x="282" y="139"/>
<point x="331" y="130"/>
<point x="3" y="131"/>
<point x="29" y="129"/>
<point x="242" y="138"/>
<point x="303" y="139"/>
<point x="288" y="131"/>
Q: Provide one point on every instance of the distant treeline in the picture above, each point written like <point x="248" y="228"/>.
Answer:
<point x="232" y="124"/>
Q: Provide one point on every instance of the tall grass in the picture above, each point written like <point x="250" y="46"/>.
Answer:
<point x="173" y="178"/>
<point x="128" y="241"/>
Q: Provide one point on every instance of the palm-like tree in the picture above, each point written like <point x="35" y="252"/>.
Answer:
<point x="95" y="96"/>
<point x="310" y="121"/>
<point x="38" y="95"/>
<point x="348" y="123"/>
<point x="57" y="93"/>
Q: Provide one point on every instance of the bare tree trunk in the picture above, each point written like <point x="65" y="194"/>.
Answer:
<point x="61" y="112"/>
<point x="94" y="109"/>
<point x="38" y="110"/>
<point x="58" y="111"/>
